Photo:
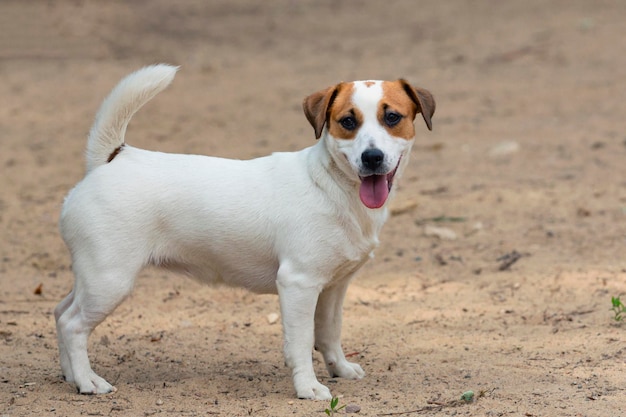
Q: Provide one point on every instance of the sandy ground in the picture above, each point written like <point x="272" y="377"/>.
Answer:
<point x="526" y="165"/>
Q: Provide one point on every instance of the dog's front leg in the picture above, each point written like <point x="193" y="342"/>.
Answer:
<point x="298" y="294"/>
<point x="328" y="318"/>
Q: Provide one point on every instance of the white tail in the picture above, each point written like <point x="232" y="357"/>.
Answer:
<point x="107" y="133"/>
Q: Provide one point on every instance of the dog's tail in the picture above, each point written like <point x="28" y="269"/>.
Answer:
<point x="106" y="136"/>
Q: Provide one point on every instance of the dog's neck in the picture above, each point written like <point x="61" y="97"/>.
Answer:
<point x="343" y="188"/>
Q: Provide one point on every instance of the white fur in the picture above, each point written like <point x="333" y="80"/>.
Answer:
<point x="288" y="223"/>
<point x="107" y="132"/>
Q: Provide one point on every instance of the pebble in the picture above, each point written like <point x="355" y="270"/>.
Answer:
<point x="104" y="340"/>
<point x="505" y="148"/>
<point x="159" y="402"/>
<point x="272" y="318"/>
<point x="441" y="232"/>
<point x="352" y="408"/>
<point x="404" y="207"/>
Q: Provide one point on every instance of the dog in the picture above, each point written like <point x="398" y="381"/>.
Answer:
<point x="299" y="224"/>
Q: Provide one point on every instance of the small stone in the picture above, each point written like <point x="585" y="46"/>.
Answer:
<point x="586" y="24"/>
<point x="159" y="402"/>
<point x="272" y="318"/>
<point x="505" y="148"/>
<point x="441" y="232"/>
<point x="404" y="207"/>
<point x="104" y="340"/>
<point x="352" y="408"/>
<point x="38" y="290"/>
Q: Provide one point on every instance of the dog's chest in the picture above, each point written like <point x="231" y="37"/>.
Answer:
<point x="353" y="253"/>
<point x="350" y="266"/>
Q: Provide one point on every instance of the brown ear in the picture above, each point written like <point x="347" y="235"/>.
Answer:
<point x="424" y="101"/>
<point x="316" y="108"/>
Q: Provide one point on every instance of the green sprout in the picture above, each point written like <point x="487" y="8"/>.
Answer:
<point x="333" y="407"/>
<point x="618" y="308"/>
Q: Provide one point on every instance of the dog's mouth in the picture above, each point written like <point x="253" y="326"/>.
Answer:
<point x="375" y="189"/>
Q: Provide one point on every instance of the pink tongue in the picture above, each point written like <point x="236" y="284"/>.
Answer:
<point x="374" y="191"/>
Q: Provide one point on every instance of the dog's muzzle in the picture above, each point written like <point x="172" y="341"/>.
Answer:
<point x="375" y="187"/>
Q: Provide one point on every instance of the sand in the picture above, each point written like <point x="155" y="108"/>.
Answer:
<point x="494" y="274"/>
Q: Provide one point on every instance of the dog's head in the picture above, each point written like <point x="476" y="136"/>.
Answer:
<point x="370" y="129"/>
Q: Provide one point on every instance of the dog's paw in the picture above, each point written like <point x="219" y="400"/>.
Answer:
<point x="345" y="369"/>
<point x="313" y="391"/>
<point x="94" y="384"/>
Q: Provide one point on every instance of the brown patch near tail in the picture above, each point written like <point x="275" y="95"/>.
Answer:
<point x="115" y="153"/>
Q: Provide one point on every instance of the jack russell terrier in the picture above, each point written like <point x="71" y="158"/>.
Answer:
<point x="299" y="224"/>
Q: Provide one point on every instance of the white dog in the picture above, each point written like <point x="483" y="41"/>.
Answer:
<point x="299" y="224"/>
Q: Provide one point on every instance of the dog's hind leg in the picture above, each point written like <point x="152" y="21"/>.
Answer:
<point x="97" y="292"/>
<point x="328" y="318"/>
<point x="60" y="309"/>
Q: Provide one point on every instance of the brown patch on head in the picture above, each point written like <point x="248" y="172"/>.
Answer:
<point x="333" y="108"/>
<point x="396" y="102"/>
<point x="316" y="108"/>
<point x="343" y="108"/>
<point x="401" y="98"/>
<point x="329" y="107"/>
<point x="423" y="99"/>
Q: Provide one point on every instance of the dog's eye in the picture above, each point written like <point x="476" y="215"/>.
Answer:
<point x="392" y="118"/>
<point x="348" y="123"/>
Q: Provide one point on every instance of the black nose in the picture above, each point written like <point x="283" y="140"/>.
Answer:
<point x="372" y="158"/>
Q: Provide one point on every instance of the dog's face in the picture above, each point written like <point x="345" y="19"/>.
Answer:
<point x="369" y="127"/>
